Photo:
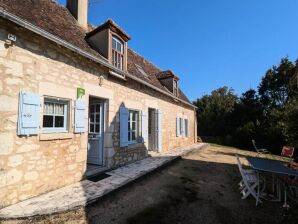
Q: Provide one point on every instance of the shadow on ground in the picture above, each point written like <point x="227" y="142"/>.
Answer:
<point x="187" y="191"/>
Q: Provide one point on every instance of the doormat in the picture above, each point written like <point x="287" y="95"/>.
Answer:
<point x="98" y="177"/>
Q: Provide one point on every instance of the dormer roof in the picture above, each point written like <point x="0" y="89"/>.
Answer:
<point x="110" y="24"/>
<point x="166" y="74"/>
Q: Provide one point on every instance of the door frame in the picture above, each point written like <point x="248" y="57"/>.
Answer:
<point x="104" y="111"/>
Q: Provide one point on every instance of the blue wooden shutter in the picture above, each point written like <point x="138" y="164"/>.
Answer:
<point x="144" y="127"/>
<point x="28" y="117"/>
<point x="159" y="129"/>
<point x="123" y="126"/>
<point x="80" y="111"/>
<point x="177" y="126"/>
<point x="183" y="127"/>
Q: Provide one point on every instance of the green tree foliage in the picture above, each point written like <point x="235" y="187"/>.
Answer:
<point x="215" y="109"/>
<point x="269" y="115"/>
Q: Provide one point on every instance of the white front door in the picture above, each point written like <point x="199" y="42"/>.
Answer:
<point x="95" y="135"/>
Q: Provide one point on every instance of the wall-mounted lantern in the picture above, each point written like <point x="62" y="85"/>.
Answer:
<point x="11" y="39"/>
<point x="101" y="80"/>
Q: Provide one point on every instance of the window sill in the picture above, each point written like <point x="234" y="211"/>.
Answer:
<point x="55" y="136"/>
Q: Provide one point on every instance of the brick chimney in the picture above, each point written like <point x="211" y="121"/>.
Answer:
<point x="79" y="10"/>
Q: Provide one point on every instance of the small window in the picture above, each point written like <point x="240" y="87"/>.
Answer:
<point x="175" y="87"/>
<point x="141" y="70"/>
<point x="133" y="120"/>
<point x="117" y="53"/>
<point x="55" y="115"/>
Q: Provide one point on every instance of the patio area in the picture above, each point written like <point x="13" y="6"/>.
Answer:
<point x="202" y="187"/>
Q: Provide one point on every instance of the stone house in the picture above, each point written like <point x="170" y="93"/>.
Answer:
<point x="76" y="100"/>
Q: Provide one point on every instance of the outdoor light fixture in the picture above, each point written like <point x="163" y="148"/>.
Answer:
<point x="11" y="39"/>
<point x="100" y="80"/>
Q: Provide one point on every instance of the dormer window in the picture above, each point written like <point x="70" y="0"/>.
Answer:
<point x="169" y="80"/>
<point x="110" y="41"/>
<point x="175" y="87"/>
<point x="117" y="53"/>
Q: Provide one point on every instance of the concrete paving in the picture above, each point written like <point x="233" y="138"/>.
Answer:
<point x="85" y="192"/>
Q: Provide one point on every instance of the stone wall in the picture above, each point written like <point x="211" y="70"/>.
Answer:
<point x="33" y="165"/>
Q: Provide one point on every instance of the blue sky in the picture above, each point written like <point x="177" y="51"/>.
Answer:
<point x="207" y="43"/>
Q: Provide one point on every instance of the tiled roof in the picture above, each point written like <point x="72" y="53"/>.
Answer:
<point x="166" y="74"/>
<point x="57" y="20"/>
<point x="108" y="24"/>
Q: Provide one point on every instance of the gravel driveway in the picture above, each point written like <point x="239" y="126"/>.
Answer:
<point x="200" y="188"/>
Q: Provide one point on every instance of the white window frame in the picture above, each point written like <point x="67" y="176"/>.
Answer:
<point x="175" y="87"/>
<point x="56" y="101"/>
<point x="129" y="128"/>
<point x="118" y="54"/>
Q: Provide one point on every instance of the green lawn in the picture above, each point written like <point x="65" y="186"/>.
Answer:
<point x="242" y="152"/>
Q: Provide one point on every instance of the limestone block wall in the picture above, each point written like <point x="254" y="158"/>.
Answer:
<point x="33" y="165"/>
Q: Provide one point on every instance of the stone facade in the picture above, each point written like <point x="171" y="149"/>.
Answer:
<point x="33" y="165"/>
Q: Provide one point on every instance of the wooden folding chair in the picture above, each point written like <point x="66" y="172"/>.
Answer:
<point x="250" y="183"/>
<point x="259" y="151"/>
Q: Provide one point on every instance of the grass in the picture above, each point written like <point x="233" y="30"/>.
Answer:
<point x="242" y="152"/>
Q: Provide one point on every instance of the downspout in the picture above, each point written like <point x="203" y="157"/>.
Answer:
<point x="99" y="59"/>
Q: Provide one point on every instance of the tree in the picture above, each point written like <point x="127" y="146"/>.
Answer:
<point x="276" y="91"/>
<point x="269" y="115"/>
<point x="246" y="119"/>
<point x="214" y="111"/>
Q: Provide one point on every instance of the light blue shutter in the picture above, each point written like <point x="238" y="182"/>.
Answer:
<point x="177" y="126"/>
<point x="123" y="126"/>
<point x="159" y="129"/>
<point x="183" y="127"/>
<point x="28" y="117"/>
<point x="80" y="111"/>
<point x="144" y="127"/>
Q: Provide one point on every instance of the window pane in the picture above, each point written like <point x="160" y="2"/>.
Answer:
<point x="92" y="118"/>
<point x="133" y="137"/>
<point x="59" y="122"/>
<point x="128" y="136"/>
<point x="47" y="121"/>
<point x="119" y="47"/>
<point x="91" y="128"/>
<point x="92" y="108"/>
<point x="128" y="126"/>
<point x="59" y="109"/>
<point x="97" y="128"/>
<point x="48" y="108"/>
<point x="134" y="116"/>
<point x="181" y="125"/>
<point x="133" y="126"/>
<point x="113" y="43"/>
<point x="97" y="118"/>
<point x="97" y="108"/>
